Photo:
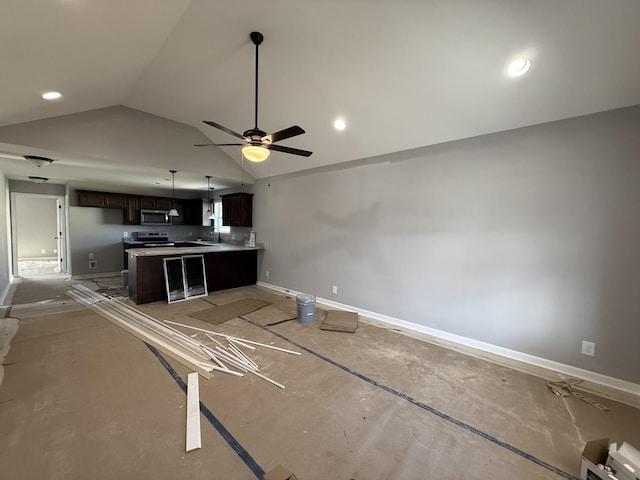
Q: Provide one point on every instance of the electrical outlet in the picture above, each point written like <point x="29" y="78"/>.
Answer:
<point x="335" y="289"/>
<point x="93" y="264"/>
<point x="91" y="255"/>
<point x="266" y="273"/>
<point x="43" y="251"/>
<point x="588" y="348"/>
<point x="190" y="233"/>
<point x="125" y="234"/>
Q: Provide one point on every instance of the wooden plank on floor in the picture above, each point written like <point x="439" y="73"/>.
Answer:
<point x="193" y="412"/>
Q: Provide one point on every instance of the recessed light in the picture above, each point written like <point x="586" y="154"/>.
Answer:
<point x="340" y="124"/>
<point x="51" y="95"/>
<point x="519" y="67"/>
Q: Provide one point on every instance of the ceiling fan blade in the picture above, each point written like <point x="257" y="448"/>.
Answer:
<point x="283" y="134"/>
<point x="219" y="144"/>
<point x="224" y="129"/>
<point x="294" y="151"/>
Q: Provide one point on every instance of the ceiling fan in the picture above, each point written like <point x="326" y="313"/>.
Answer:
<point x="258" y="142"/>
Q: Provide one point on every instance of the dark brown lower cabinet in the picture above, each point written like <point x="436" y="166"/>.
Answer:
<point x="223" y="270"/>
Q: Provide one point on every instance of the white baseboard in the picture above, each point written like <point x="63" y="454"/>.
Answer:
<point x="597" y="383"/>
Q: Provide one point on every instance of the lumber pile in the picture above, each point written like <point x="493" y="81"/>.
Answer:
<point x="220" y="353"/>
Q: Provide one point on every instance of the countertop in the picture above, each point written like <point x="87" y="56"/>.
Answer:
<point x="204" y="248"/>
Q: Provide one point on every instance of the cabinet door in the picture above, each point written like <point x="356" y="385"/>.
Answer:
<point x="163" y="203"/>
<point x="193" y="212"/>
<point x="115" y="200"/>
<point x="237" y="210"/>
<point x="90" y="199"/>
<point x="231" y="269"/>
<point x="132" y="211"/>
<point x="147" y="202"/>
<point x="229" y="208"/>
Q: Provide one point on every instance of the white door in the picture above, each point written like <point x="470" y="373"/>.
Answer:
<point x="60" y="236"/>
<point x="38" y="231"/>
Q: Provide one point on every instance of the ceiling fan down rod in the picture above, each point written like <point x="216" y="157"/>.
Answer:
<point x="256" y="38"/>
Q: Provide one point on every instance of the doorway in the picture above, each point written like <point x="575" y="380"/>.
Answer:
<point x="38" y="239"/>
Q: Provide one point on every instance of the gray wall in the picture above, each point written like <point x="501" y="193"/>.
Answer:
<point x="36" y="219"/>
<point x="527" y="239"/>
<point x="100" y="231"/>
<point x="5" y="267"/>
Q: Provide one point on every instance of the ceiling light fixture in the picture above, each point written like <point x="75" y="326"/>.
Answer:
<point x="209" y="206"/>
<point x="173" y="212"/>
<point x="519" y="67"/>
<point x="212" y="215"/>
<point x="255" y="153"/>
<point x="51" y="95"/>
<point x="339" y="124"/>
<point x="38" y="179"/>
<point x="38" y="161"/>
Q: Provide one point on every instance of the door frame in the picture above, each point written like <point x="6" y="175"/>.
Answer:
<point x="61" y="233"/>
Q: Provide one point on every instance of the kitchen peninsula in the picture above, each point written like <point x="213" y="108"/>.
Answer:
<point x="226" y="266"/>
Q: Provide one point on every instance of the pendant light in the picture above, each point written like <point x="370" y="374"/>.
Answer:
<point x="173" y="212"/>
<point x="210" y="214"/>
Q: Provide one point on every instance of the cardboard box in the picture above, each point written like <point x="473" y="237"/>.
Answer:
<point x="621" y="466"/>
<point x="280" y="473"/>
<point x="594" y="453"/>
<point x="601" y="460"/>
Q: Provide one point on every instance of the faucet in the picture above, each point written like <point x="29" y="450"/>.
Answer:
<point x="213" y="230"/>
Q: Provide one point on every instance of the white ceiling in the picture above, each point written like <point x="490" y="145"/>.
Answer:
<point x="402" y="73"/>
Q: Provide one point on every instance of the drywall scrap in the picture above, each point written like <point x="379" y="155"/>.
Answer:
<point x="567" y="388"/>
<point x="193" y="412"/>
<point x="340" y="321"/>
<point x="280" y="473"/>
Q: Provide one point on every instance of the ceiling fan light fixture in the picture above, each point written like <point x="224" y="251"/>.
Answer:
<point x="51" y="95"/>
<point x="255" y="153"/>
<point x="519" y="67"/>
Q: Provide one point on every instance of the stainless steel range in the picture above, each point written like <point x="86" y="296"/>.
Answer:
<point x="153" y="239"/>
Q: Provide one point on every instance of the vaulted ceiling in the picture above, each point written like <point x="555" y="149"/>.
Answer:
<point x="403" y="74"/>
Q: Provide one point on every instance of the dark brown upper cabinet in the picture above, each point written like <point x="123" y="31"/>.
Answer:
<point x="154" y="203"/>
<point x="237" y="209"/>
<point x="190" y="211"/>
<point x="88" y="198"/>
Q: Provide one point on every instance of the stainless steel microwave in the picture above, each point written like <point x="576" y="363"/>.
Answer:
<point x="154" y="217"/>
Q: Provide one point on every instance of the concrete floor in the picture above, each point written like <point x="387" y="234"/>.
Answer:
<point x="82" y="398"/>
